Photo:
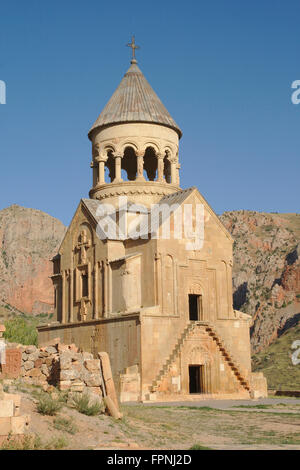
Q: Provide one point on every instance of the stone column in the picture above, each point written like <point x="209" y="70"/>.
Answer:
<point x="117" y="169"/>
<point x="101" y="170"/>
<point x="160" y="168"/>
<point x="173" y="171"/>
<point x="158" y="280"/>
<point x="177" y="173"/>
<point x="96" y="313"/>
<point x="109" y="282"/>
<point x="71" y="290"/>
<point x="94" y="167"/>
<point x="63" y="298"/>
<point x="69" y="295"/>
<point x="105" y="279"/>
<point x="140" y="166"/>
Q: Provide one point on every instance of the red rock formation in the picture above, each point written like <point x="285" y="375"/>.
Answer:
<point x="290" y="280"/>
<point x="267" y="262"/>
<point x="28" y="240"/>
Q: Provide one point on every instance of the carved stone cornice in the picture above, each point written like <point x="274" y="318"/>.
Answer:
<point x="132" y="192"/>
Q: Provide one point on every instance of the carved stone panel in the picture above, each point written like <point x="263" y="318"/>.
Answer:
<point x="12" y="368"/>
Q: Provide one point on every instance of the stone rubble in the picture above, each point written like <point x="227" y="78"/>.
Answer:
<point x="11" y="422"/>
<point x="62" y="366"/>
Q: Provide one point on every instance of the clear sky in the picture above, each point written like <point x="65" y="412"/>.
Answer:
<point x="222" y="68"/>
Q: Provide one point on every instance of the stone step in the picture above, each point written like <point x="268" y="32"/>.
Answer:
<point x="173" y="355"/>
<point x="228" y="358"/>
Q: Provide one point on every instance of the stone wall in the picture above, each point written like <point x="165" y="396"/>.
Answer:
<point x="11" y="423"/>
<point x="62" y="366"/>
<point x="258" y="385"/>
<point x="119" y="337"/>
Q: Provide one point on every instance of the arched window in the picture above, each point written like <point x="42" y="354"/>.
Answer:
<point x="167" y="169"/>
<point x="150" y="164"/>
<point x="129" y="164"/>
<point x="110" y="164"/>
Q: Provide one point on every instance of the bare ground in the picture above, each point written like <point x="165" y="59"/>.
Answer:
<point x="272" y="424"/>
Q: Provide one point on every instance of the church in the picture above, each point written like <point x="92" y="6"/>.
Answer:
<point x="156" y="296"/>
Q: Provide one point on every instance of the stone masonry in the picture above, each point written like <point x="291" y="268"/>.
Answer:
<point x="62" y="366"/>
<point x="11" y="422"/>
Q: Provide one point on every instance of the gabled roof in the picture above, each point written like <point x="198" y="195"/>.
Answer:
<point x="92" y="206"/>
<point x="154" y="218"/>
<point x="135" y="101"/>
<point x="178" y="197"/>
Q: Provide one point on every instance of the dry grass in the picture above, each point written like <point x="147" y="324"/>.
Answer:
<point x="183" y="427"/>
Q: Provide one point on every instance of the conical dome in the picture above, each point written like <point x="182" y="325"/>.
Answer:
<point x="135" y="101"/>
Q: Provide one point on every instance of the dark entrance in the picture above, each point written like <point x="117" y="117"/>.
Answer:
<point x="85" y="285"/>
<point x="195" y="307"/>
<point x="196" y="376"/>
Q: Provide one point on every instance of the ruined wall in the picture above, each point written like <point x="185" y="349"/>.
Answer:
<point x="62" y="366"/>
<point x="119" y="337"/>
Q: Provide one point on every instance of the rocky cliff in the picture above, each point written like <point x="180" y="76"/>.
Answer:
<point x="28" y="239"/>
<point x="266" y="271"/>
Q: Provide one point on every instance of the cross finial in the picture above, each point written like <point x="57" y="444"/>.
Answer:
<point x="133" y="47"/>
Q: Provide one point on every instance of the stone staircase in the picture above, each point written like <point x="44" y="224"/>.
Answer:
<point x="155" y="384"/>
<point x="233" y="364"/>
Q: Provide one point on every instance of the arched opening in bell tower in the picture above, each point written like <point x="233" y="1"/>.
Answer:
<point x="167" y="169"/>
<point x="150" y="164"/>
<point x="110" y="164"/>
<point x="129" y="164"/>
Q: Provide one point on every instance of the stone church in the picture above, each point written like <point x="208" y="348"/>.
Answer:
<point x="161" y="311"/>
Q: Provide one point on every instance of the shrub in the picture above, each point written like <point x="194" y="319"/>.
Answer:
<point x="18" y="330"/>
<point x="82" y="404"/>
<point x="199" y="447"/>
<point x="56" y="443"/>
<point x="28" y="442"/>
<point x="65" y="424"/>
<point x="47" y="406"/>
<point x="33" y="442"/>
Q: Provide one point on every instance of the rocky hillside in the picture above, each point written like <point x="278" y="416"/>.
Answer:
<point x="281" y="372"/>
<point x="28" y="239"/>
<point x="266" y="271"/>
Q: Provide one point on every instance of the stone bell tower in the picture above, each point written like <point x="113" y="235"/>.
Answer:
<point x="134" y="144"/>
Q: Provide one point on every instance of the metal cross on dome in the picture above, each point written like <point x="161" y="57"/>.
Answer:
<point x="133" y="47"/>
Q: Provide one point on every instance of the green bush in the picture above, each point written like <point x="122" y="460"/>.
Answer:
<point x="56" y="443"/>
<point x="82" y="404"/>
<point x="65" y="424"/>
<point x="28" y="442"/>
<point x="199" y="447"/>
<point x="33" y="442"/>
<point x="47" y="406"/>
<point x="18" y="330"/>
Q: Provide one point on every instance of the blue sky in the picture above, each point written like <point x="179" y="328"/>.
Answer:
<point x="222" y="68"/>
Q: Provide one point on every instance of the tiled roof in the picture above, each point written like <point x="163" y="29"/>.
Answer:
<point x="135" y="101"/>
